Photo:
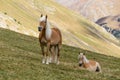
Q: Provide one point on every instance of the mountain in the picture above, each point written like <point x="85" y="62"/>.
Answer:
<point x="111" y="24"/>
<point x="23" y="16"/>
<point x="20" y="59"/>
<point x="93" y="9"/>
<point x="102" y="13"/>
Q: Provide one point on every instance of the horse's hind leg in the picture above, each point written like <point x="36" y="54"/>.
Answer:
<point x="58" y="54"/>
<point x="43" y="53"/>
<point x="51" y="58"/>
<point x="55" y="54"/>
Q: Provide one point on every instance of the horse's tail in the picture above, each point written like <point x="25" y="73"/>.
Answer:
<point x="98" y="68"/>
<point x="60" y="37"/>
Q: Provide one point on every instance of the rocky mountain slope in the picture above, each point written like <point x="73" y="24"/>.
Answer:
<point x="93" y="9"/>
<point x="111" y="24"/>
<point x="23" y="16"/>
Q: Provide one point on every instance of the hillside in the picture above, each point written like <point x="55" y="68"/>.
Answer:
<point x="23" y="16"/>
<point x="111" y="24"/>
<point x="93" y="9"/>
<point x="20" y="59"/>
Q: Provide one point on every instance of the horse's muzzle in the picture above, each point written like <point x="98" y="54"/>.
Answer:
<point x="39" y="28"/>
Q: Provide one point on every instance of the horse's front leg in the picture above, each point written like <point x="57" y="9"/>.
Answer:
<point x="47" y="53"/>
<point x="50" y="57"/>
<point x="43" y="53"/>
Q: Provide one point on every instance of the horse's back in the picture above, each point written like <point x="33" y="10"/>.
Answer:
<point x="94" y="66"/>
<point x="91" y="63"/>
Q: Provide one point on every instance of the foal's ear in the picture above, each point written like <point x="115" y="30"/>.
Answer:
<point x="83" y="53"/>
<point x="41" y="15"/>
<point x="79" y="53"/>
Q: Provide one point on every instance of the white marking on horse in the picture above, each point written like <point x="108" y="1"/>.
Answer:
<point x="47" y="61"/>
<point x="48" y="31"/>
<point x="43" y="60"/>
<point x="42" y="18"/>
<point x="85" y="59"/>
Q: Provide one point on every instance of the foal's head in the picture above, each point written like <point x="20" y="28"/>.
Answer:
<point x="42" y="23"/>
<point x="81" y="57"/>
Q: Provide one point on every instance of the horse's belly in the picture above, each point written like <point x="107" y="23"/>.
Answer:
<point x="54" y="42"/>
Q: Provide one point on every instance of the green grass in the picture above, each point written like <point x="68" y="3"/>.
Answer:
<point x="20" y="59"/>
<point x="82" y="30"/>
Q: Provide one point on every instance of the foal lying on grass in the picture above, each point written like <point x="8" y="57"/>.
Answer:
<point x="88" y="64"/>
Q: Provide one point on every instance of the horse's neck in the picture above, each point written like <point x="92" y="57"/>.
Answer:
<point x="85" y="60"/>
<point x="48" y="31"/>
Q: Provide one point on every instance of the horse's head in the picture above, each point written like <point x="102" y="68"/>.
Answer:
<point x="81" y="59"/>
<point x="42" y="22"/>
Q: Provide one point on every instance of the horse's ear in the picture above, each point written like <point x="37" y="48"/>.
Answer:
<point x="46" y="16"/>
<point x="46" y="19"/>
<point x="94" y="58"/>
<point x="41" y="15"/>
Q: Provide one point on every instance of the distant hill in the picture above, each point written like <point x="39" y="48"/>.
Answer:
<point x="93" y="9"/>
<point x="23" y="16"/>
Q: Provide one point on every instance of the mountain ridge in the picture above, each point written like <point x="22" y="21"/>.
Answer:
<point x="93" y="9"/>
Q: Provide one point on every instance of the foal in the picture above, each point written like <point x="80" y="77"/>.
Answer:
<point x="88" y="64"/>
<point x="50" y="38"/>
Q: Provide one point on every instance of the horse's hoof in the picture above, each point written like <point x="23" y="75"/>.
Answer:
<point x="58" y="63"/>
<point x="43" y="61"/>
<point x="47" y="62"/>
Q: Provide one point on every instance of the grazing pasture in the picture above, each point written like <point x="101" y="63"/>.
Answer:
<point x="20" y="59"/>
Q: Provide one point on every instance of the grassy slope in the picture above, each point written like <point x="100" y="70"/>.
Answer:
<point x="20" y="59"/>
<point x="76" y="30"/>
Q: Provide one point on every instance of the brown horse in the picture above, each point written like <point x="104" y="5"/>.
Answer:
<point x="88" y="64"/>
<point x="50" y="38"/>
